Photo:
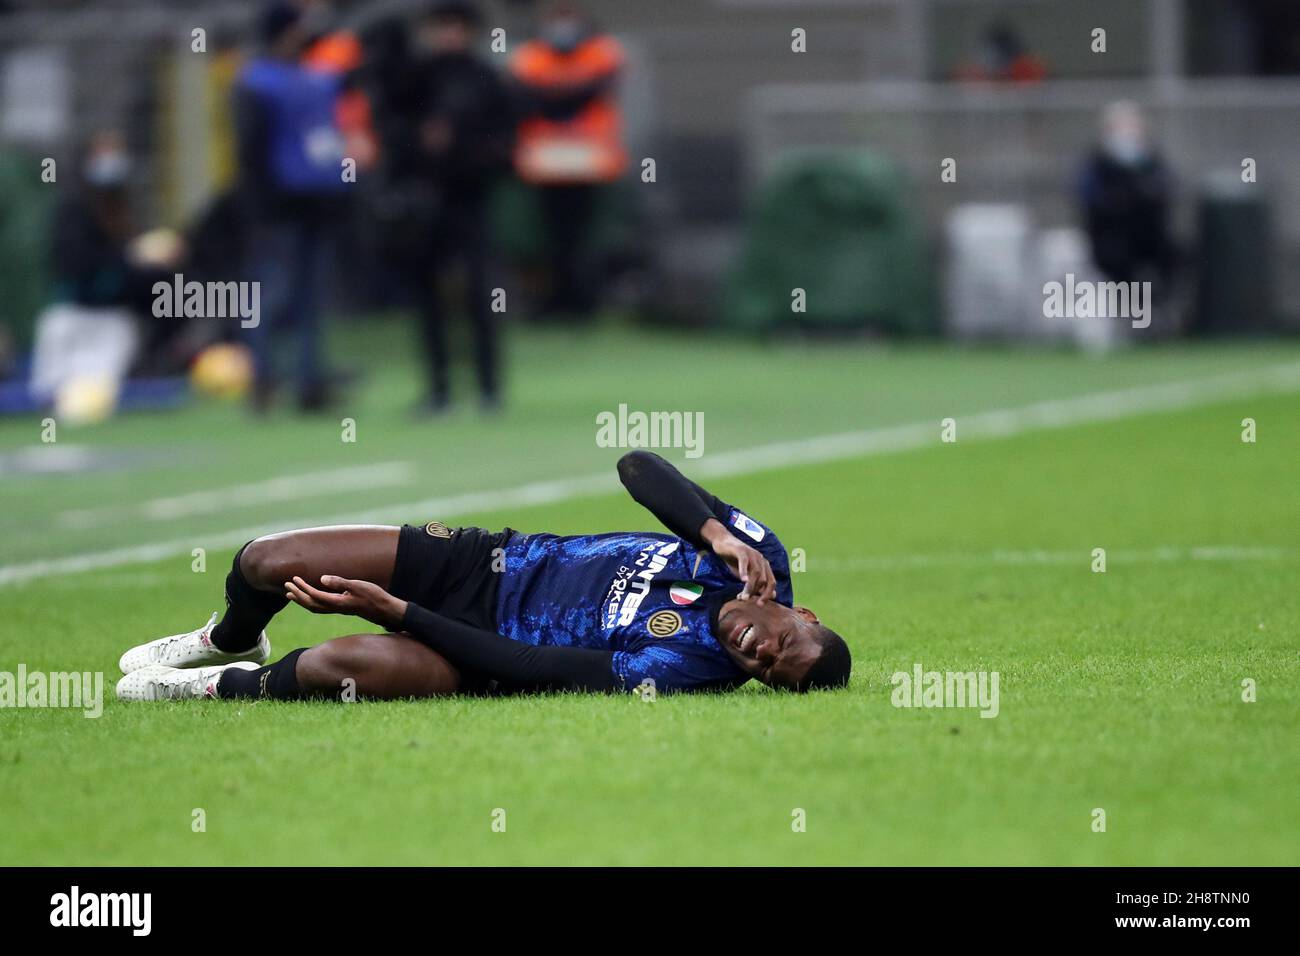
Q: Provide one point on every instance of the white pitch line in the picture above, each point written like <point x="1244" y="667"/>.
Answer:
<point x="1080" y="556"/>
<point x="1008" y="422"/>
<point x="389" y="474"/>
<point x="998" y="423"/>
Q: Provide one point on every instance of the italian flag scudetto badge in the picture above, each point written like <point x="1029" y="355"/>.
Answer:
<point x="684" y="592"/>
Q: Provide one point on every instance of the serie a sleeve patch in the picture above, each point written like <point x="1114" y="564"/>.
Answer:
<point x="752" y="528"/>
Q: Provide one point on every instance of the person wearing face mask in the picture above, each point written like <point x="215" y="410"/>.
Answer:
<point x="102" y="276"/>
<point x="1125" y="197"/>
<point x="92" y="231"/>
<point x="570" y="138"/>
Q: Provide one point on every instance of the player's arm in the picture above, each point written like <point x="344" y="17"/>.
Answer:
<point x="512" y="662"/>
<point x="681" y="506"/>
<point x="695" y="515"/>
<point x="471" y="648"/>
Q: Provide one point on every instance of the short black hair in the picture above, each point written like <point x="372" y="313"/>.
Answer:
<point x="833" y="665"/>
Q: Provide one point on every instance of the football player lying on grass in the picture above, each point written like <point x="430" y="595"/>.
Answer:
<point x="469" y="611"/>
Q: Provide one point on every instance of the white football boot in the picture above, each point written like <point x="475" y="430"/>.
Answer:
<point x="193" y="649"/>
<point x="160" y="682"/>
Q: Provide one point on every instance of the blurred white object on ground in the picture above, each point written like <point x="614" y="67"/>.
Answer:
<point x="82" y="350"/>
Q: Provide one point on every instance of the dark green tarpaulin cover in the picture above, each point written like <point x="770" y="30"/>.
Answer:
<point x="839" y="226"/>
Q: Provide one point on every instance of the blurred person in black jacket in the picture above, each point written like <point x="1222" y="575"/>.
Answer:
<point x="1126" y="194"/>
<point x="447" y="133"/>
<point x="92" y="229"/>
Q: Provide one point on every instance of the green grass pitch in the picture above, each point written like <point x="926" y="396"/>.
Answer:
<point x="1119" y="690"/>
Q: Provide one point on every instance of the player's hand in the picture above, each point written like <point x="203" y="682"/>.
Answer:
<point x="338" y="595"/>
<point x="747" y="564"/>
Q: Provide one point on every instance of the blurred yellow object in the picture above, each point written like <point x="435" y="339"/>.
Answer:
<point x="162" y="248"/>
<point x="222" y="371"/>
<point x="85" y="400"/>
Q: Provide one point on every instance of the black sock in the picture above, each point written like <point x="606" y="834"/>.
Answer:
<point x="247" y="611"/>
<point x="278" y="681"/>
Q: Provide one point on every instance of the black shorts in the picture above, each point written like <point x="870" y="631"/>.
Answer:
<point x="450" y="571"/>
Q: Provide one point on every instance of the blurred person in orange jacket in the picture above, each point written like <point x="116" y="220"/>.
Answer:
<point x="1004" y="57"/>
<point x="570" y="138"/>
<point x="338" y="51"/>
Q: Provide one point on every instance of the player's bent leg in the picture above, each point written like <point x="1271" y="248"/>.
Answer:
<point x="374" y="666"/>
<point x="360" y="552"/>
<point x="255" y="592"/>
<point x="255" y="585"/>
<point x="378" y="666"/>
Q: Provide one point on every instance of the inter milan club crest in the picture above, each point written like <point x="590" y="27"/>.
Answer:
<point x="436" y="529"/>
<point x="664" y="623"/>
<point x="685" y="592"/>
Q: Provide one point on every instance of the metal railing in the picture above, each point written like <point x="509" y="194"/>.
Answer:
<point x="1026" y="144"/>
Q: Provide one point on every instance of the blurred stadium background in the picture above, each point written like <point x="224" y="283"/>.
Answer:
<point x="794" y="146"/>
<point x="774" y="170"/>
<point x="714" y="94"/>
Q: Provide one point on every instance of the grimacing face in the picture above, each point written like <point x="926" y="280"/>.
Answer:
<point x="770" y="642"/>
